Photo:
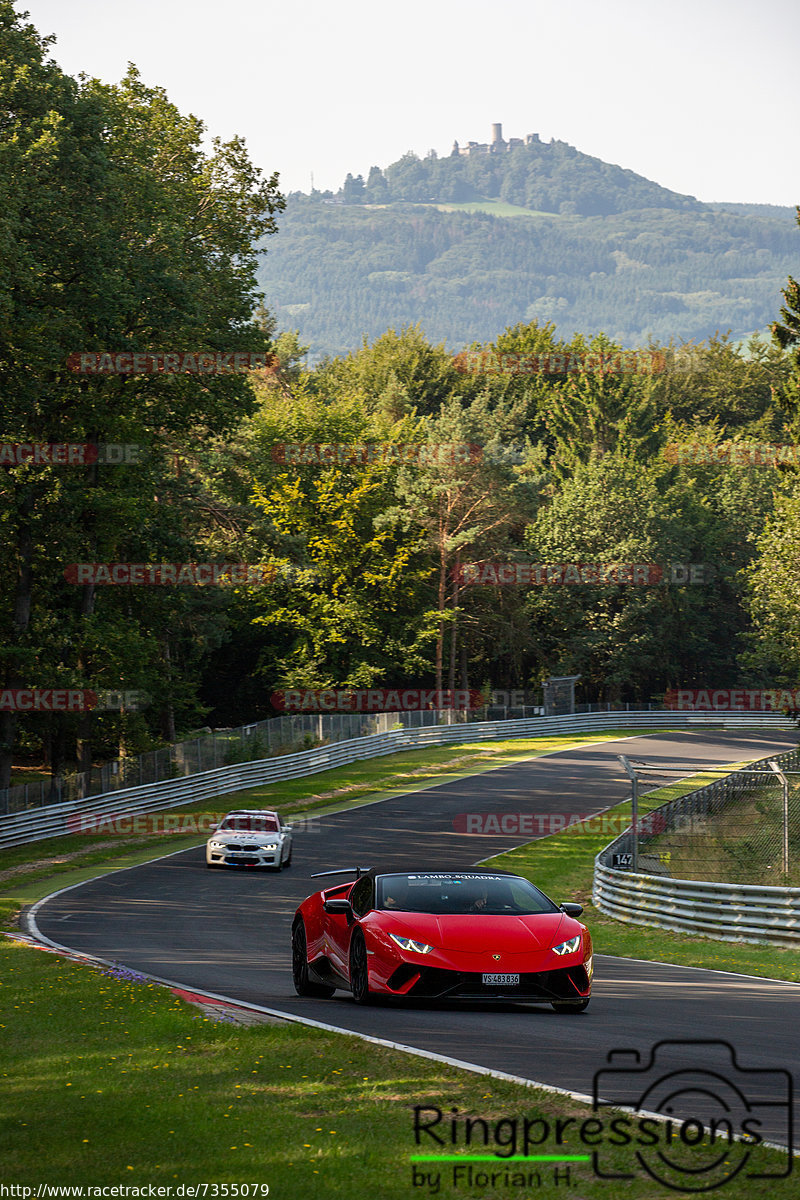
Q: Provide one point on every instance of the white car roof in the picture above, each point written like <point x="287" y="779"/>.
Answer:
<point x="251" y="812"/>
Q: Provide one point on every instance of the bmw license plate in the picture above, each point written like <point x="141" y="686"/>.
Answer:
<point x="501" y="980"/>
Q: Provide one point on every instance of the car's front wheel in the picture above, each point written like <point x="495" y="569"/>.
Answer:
<point x="359" y="970"/>
<point x="570" y="1006"/>
<point x="302" y="984"/>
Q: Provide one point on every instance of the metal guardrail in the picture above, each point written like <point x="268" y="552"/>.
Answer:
<point x="725" y="911"/>
<point x="210" y="749"/>
<point x="60" y="819"/>
<point x="205" y="752"/>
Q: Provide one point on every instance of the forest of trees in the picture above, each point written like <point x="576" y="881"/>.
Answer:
<point x="121" y="234"/>
<point x="339" y="272"/>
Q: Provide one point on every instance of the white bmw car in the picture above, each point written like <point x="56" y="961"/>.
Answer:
<point x="250" y="838"/>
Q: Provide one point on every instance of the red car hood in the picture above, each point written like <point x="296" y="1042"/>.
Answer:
<point x="476" y="934"/>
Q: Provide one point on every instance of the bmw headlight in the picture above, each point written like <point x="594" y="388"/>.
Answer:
<point x="568" y="947"/>
<point x="271" y="846"/>
<point x="409" y="944"/>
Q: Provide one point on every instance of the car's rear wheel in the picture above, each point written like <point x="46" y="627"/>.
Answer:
<point x="359" y="970"/>
<point x="570" y="1006"/>
<point x="302" y="984"/>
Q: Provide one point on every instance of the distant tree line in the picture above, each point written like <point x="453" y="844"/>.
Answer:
<point x="546" y="177"/>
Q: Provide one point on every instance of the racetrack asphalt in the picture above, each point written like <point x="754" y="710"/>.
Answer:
<point x="228" y="931"/>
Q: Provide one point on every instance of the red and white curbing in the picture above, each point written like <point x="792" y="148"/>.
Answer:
<point x="216" y="1008"/>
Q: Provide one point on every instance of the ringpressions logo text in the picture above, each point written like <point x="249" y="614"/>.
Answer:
<point x="686" y="1115"/>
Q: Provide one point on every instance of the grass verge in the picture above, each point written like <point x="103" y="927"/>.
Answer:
<point x="117" y="1082"/>
<point x="27" y="871"/>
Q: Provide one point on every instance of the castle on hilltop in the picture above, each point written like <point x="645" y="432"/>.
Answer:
<point x="497" y="145"/>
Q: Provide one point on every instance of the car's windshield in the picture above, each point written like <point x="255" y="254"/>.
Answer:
<point x="469" y="892"/>
<point x="250" y="824"/>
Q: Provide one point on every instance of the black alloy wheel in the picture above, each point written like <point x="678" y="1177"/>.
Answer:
<point x="302" y="984"/>
<point x="359" y="971"/>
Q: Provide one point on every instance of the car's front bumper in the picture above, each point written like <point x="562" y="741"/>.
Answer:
<point x="435" y="983"/>
<point x="249" y="857"/>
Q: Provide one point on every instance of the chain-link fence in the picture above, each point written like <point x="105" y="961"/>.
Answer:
<point x="744" y="828"/>
<point x="247" y="743"/>
<point x="223" y="747"/>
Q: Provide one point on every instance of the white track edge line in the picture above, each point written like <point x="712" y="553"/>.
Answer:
<point x="460" y="1064"/>
<point x="656" y="962"/>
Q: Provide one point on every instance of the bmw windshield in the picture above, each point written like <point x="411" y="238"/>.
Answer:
<point x="249" y="825"/>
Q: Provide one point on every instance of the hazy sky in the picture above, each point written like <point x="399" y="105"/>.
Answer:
<point x="697" y="95"/>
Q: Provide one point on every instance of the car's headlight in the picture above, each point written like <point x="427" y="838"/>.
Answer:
<point x="568" y="947"/>
<point x="217" y="845"/>
<point x="410" y="944"/>
<point x="271" y="846"/>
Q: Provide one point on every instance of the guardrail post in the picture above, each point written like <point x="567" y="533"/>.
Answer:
<point x="785" y="838"/>
<point x="634" y="809"/>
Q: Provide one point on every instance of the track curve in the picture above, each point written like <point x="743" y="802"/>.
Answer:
<point x="229" y="932"/>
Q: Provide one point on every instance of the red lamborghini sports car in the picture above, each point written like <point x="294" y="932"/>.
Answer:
<point x="442" y="935"/>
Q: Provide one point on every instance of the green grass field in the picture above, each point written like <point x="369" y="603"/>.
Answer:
<point x="109" y="1082"/>
<point x="114" y="1081"/>
<point x="495" y="208"/>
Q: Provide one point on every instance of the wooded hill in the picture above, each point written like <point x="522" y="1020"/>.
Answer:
<point x="466" y="245"/>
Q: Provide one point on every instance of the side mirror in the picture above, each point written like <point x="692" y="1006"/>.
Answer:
<point x="213" y="828"/>
<point x="343" y="907"/>
<point x="286" y="829"/>
<point x="572" y="910"/>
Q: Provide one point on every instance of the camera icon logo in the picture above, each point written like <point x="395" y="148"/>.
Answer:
<point x="713" y="1113"/>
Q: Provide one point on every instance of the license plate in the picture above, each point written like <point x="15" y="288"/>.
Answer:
<point x="501" y="980"/>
